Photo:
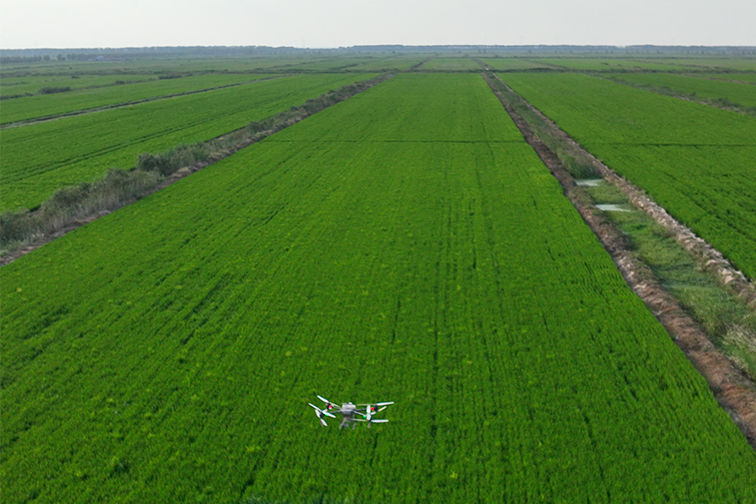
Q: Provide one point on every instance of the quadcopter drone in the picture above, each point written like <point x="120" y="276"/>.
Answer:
<point x="349" y="411"/>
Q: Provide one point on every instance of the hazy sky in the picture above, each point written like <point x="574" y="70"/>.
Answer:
<point x="334" y="23"/>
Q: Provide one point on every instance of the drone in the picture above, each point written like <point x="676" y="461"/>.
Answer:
<point x="350" y="411"/>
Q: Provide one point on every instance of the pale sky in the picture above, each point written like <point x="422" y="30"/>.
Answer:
<point x="335" y="23"/>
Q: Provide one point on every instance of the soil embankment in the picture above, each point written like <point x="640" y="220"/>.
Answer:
<point x="735" y="393"/>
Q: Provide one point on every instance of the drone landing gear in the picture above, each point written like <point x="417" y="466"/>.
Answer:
<point x="347" y="423"/>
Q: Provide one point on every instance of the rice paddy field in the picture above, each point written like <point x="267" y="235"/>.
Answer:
<point x="605" y="64"/>
<point x="113" y="94"/>
<point x="403" y="245"/>
<point x="452" y="64"/>
<point x="736" y="93"/>
<point x="507" y="64"/>
<point x="696" y="161"/>
<point x="82" y="147"/>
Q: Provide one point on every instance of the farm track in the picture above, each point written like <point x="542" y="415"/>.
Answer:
<point x="735" y="393"/>
<point x="38" y="120"/>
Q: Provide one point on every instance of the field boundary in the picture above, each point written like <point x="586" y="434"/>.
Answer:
<point x="734" y="391"/>
<point x="38" y="120"/>
<point x="153" y="173"/>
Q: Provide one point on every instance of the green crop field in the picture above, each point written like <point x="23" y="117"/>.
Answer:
<point x="695" y="160"/>
<point x="46" y="105"/>
<point x="740" y="94"/>
<point x="732" y="76"/>
<point x="40" y="158"/>
<point x="592" y="63"/>
<point x="147" y="67"/>
<point x="451" y="64"/>
<point x="403" y="245"/>
<point x="709" y="63"/>
<point x="504" y="63"/>
<point x="13" y="86"/>
<point x="388" y="63"/>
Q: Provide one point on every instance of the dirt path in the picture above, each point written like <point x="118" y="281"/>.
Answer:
<point x="734" y="392"/>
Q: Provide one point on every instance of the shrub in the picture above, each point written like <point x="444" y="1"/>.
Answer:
<point x="51" y="90"/>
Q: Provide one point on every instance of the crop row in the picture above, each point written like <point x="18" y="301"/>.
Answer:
<point x="167" y="352"/>
<point x="695" y="160"/>
<point x="40" y="158"/>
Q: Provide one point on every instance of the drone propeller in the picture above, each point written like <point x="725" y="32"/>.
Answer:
<point x="370" y="420"/>
<point x="329" y="404"/>
<point x="319" y="412"/>
<point x="371" y="408"/>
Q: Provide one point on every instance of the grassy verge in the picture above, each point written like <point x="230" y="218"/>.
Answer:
<point x="574" y="159"/>
<point x="74" y="205"/>
<point x="729" y="322"/>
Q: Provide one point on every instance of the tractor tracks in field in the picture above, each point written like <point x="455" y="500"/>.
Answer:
<point x="732" y="388"/>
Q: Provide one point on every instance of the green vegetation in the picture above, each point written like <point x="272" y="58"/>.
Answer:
<point x="452" y="64"/>
<point x="715" y="63"/>
<point x="728" y="321"/>
<point x="608" y="64"/>
<point x="695" y="161"/>
<point x="40" y="158"/>
<point x="404" y="245"/>
<point x="31" y="107"/>
<point x="30" y="85"/>
<point x="119" y="187"/>
<point x="394" y="62"/>
<point x="732" y="76"/>
<point x="716" y="92"/>
<point x="512" y="63"/>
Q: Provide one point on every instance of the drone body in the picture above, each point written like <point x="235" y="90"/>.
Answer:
<point x="350" y="412"/>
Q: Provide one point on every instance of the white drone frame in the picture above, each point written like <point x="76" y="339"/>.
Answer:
<point x="349" y="411"/>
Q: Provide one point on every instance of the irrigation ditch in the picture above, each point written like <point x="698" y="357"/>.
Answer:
<point x="69" y="208"/>
<point x="731" y="385"/>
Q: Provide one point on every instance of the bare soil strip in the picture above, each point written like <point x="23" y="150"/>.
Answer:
<point x="37" y="120"/>
<point x="734" y="392"/>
